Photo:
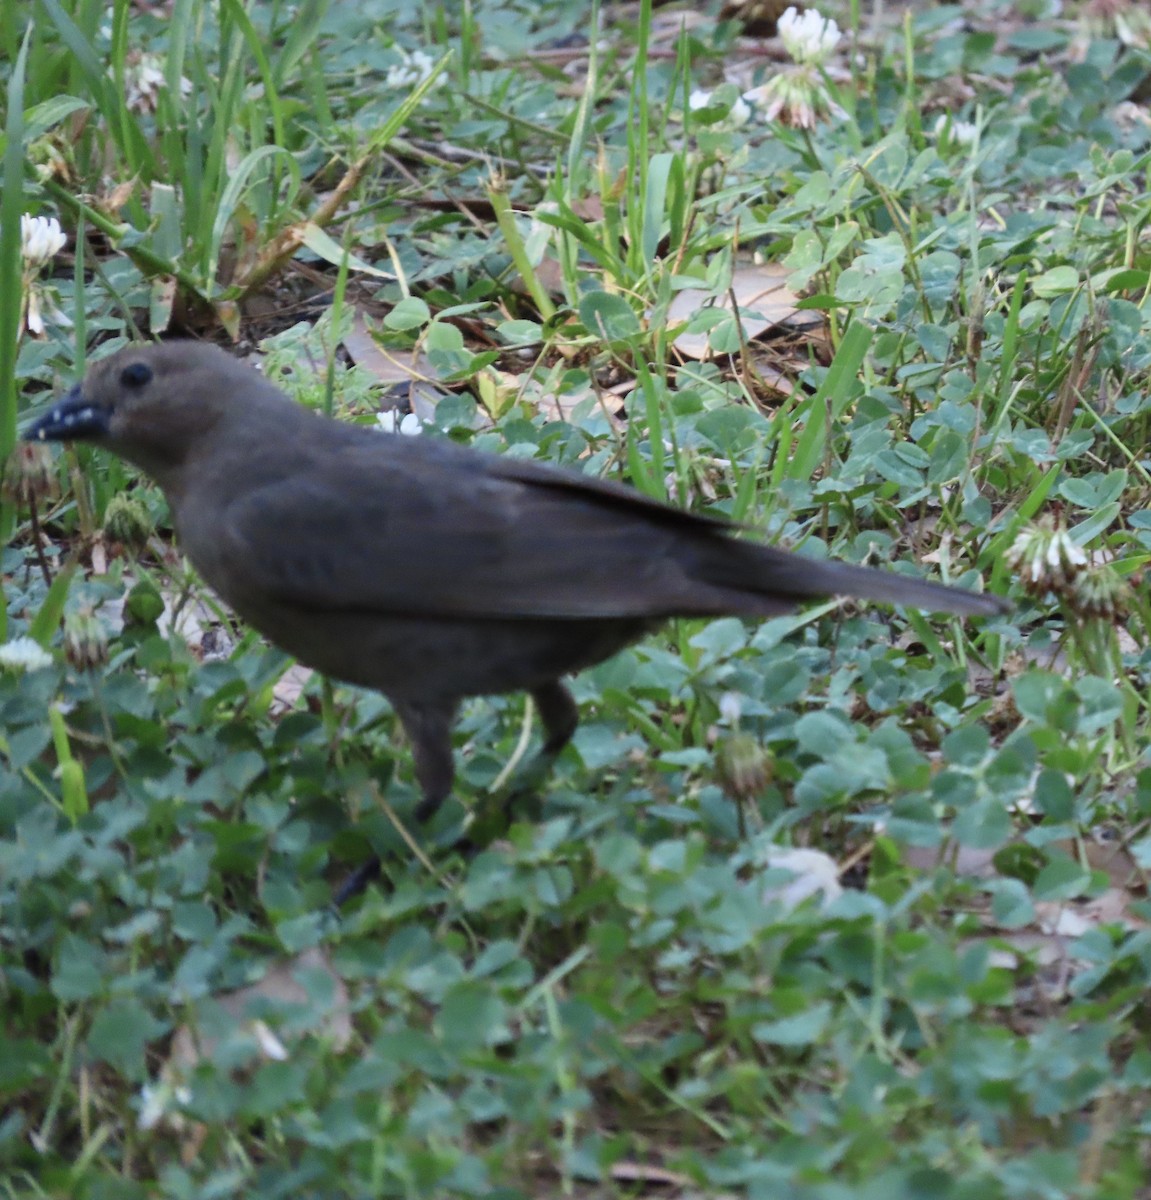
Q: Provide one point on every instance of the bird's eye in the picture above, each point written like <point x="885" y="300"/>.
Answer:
<point x="135" y="375"/>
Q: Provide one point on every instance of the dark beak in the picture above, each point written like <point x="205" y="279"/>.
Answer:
<point x="71" y="417"/>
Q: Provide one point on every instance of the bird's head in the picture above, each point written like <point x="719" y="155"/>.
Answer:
<point x="151" y="405"/>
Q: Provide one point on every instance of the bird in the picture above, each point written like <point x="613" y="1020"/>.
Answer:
<point x="422" y="568"/>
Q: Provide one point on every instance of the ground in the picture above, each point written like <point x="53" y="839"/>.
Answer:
<point x="844" y="903"/>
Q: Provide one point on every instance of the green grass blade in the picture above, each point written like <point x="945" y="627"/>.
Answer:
<point x="11" y="286"/>
<point x="830" y="401"/>
<point x="51" y="612"/>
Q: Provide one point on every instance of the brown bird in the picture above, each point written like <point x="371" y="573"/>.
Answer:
<point x="419" y="567"/>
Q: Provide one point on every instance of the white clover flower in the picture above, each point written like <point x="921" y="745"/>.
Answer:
<point x="960" y="133"/>
<point x="1046" y="557"/>
<point x="798" y="94"/>
<point x="1063" y="552"/>
<point x="416" y="66"/>
<point x="1101" y="592"/>
<point x="40" y="302"/>
<point x="24" y="654"/>
<point x="159" y="1102"/>
<point x="738" y="113"/>
<point x="144" y="80"/>
<point x="143" y="83"/>
<point x="730" y="707"/>
<point x="809" y="37"/>
<point x="41" y="240"/>
<point x="409" y="425"/>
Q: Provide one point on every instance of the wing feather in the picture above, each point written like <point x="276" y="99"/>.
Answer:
<point x="391" y="526"/>
<point x="459" y="543"/>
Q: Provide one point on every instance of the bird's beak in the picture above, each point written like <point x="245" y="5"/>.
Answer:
<point x="71" y="417"/>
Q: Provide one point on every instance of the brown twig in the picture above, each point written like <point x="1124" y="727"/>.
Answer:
<point x="38" y="542"/>
<point x="282" y="247"/>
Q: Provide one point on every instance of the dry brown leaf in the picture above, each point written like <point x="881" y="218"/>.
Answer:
<point x="550" y="276"/>
<point x="633" y="1172"/>
<point x="559" y="408"/>
<point x="772" y="376"/>
<point x="757" y="18"/>
<point x="668" y="27"/>
<point x="760" y="292"/>
<point x="115" y="199"/>
<point x="497" y="390"/>
<point x="281" y="985"/>
<point x="813" y="873"/>
<point x="1110" y="856"/>
<point x="389" y="366"/>
<point x="966" y="862"/>
<point x="288" y="688"/>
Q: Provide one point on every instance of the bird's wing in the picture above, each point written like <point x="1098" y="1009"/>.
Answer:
<point x="462" y="536"/>
<point x="430" y="529"/>
<point x="705" y="572"/>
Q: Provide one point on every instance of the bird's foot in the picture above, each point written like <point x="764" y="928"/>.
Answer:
<point x="357" y="882"/>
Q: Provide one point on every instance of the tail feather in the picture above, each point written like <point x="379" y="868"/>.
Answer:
<point x="764" y="576"/>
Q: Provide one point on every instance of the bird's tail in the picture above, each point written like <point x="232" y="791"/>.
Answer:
<point x="765" y="580"/>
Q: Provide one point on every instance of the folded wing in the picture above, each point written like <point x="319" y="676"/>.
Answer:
<point x="485" y="536"/>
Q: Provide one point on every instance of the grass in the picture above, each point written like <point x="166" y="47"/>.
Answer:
<point x="618" y="996"/>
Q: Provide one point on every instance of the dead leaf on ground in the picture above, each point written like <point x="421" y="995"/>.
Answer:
<point x="771" y="376"/>
<point x="1111" y="856"/>
<point x="192" y="619"/>
<point x="812" y="873"/>
<point x="497" y="390"/>
<point x="1047" y="942"/>
<point x="240" y="1015"/>
<point x="633" y="1172"/>
<point x="409" y="369"/>
<point x="757" y="18"/>
<point x="668" y="27"/>
<point x="289" y="687"/>
<point x="560" y="408"/>
<point x="761" y="294"/>
<point x="389" y="366"/>
<point x="549" y="275"/>
<point x="966" y="861"/>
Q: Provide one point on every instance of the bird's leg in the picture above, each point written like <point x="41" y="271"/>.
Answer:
<point x="559" y="715"/>
<point x="560" y="718"/>
<point x="357" y="881"/>
<point x="429" y="729"/>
